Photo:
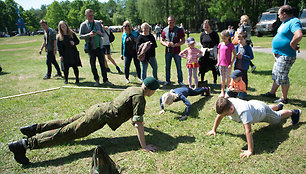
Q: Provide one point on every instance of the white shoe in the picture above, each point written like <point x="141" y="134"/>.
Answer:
<point x="159" y="81"/>
<point x="182" y="84"/>
<point x="127" y="81"/>
<point x="253" y="69"/>
<point x="139" y="80"/>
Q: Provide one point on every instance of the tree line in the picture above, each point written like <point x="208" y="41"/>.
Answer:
<point x="190" y="13"/>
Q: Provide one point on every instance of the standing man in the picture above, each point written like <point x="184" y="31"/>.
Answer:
<point x="50" y="46"/>
<point x="172" y="38"/>
<point x="158" y="31"/>
<point x="91" y="31"/>
<point x="284" y="47"/>
<point x="130" y="104"/>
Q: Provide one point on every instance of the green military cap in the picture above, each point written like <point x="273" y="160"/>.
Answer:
<point x="151" y="83"/>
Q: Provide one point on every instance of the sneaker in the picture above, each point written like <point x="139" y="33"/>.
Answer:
<point x="19" y="150"/>
<point x="77" y="81"/>
<point x="208" y="90"/>
<point x="29" y="131"/>
<point x="253" y="69"/>
<point x="139" y="80"/>
<point x="159" y="81"/>
<point x="65" y="82"/>
<point x="183" y="118"/>
<point x="96" y="83"/>
<point x="127" y="81"/>
<point x="166" y="83"/>
<point x="281" y="100"/>
<point x="108" y="70"/>
<point x="280" y="106"/>
<point x="46" y="77"/>
<point x="268" y="94"/>
<point x="107" y="83"/>
<point x="295" y="117"/>
<point x="57" y="75"/>
<point x="181" y="83"/>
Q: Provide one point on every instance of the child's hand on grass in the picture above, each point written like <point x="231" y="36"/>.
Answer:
<point x="212" y="132"/>
<point x="246" y="153"/>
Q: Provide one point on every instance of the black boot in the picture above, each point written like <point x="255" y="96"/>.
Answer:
<point x="119" y="70"/>
<point x="19" y="150"/>
<point x="29" y="131"/>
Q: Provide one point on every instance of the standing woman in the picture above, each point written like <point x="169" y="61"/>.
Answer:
<point x="210" y="41"/>
<point x="128" y="50"/>
<point x="146" y="36"/>
<point x="69" y="55"/>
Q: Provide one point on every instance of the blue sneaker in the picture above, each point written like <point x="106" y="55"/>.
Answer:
<point x="295" y="117"/>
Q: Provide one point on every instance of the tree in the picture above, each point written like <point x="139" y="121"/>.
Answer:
<point x="55" y="13"/>
<point x="32" y="21"/>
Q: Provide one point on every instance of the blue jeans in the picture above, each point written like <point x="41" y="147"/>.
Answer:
<point x="177" y="60"/>
<point x="93" y="54"/>
<point x="241" y="95"/>
<point x="144" y="65"/>
<point x="51" y="60"/>
<point x="127" y="63"/>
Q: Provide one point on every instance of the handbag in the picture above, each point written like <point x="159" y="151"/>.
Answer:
<point x="87" y="46"/>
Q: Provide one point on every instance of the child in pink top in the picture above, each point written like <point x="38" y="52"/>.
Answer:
<point x="225" y="51"/>
<point x="192" y="54"/>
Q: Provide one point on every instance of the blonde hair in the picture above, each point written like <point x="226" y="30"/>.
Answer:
<point x="245" y="19"/>
<point x="144" y="25"/>
<point x="127" y="23"/>
<point x="61" y="32"/>
<point x="169" y="97"/>
<point x="225" y="33"/>
<point x="88" y="11"/>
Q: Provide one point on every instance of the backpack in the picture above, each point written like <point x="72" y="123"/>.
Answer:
<point x="111" y="36"/>
<point x="102" y="163"/>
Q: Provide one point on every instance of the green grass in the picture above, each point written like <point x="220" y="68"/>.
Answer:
<point x="183" y="146"/>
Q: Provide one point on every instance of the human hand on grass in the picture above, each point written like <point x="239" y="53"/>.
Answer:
<point x="150" y="148"/>
<point x="212" y="132"/>
<point x="246" y="153"/>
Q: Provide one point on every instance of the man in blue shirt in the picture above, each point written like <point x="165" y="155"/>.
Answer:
<point x="284" y="47"/>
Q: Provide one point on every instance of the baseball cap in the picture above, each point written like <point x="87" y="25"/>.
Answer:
<point x="151" y="83"/>
<point x="190" y="40"/>
<point x="236" y="73"/>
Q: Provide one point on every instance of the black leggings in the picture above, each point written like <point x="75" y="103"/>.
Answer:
<point x="66" y="72"/>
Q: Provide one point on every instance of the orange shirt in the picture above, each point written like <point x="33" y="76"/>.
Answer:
<point x="239" y="85"/>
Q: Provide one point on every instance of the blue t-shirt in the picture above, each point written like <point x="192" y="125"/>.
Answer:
<point x="281" y="41"/>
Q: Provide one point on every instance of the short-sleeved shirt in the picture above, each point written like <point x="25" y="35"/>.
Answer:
<point x="129" y="104"/>
<point x="238" y="85"/>
<point x="49" y="38"/>
<point x="281" y="41"/>
<point x="252" y="111"/>
<point x="180" y="34"/>
<point x="225" y="53"/>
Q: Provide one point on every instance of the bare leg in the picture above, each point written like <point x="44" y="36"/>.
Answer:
<point x="106" y="65"/>
<point x="285" y="89"/>
<point x="274" y="88"/>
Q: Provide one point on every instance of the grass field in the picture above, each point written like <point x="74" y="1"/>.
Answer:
<point x="183" y="146"/>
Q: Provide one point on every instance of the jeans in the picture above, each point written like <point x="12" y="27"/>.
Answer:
<point x="127" y="63"/>
<point x="51" y="60"/>
<point x="92" y="57"/>
<point x="177" y="60"/>
<point x="144" y="65"/>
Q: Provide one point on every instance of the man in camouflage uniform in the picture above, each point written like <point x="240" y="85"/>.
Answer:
<point x="129" y="104"/>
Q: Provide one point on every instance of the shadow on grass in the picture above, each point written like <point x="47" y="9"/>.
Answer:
<point x="163" y="141"/>
<point x="4" y="73"/>
<point x="267" y="139"/>
<point x="263" y="72"/>
<point x="295" y="102"/>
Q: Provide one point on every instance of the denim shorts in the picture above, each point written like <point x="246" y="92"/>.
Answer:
<point x="281" y="69"/>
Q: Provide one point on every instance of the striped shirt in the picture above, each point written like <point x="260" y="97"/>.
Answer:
<point x="192" y="54"/>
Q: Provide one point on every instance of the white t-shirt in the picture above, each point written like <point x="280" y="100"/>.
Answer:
<point x="252" y="111"/>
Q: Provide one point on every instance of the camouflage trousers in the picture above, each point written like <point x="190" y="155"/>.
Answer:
<point x="78" y="126"/>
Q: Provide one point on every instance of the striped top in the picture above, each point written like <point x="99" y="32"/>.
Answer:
<point x="192" y="54"/>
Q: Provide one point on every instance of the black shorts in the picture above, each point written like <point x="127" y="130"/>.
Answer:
<point x="107" y="49"/>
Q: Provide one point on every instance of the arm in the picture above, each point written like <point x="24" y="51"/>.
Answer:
<point x="60" y="49"/>
<point x="216" y="124"/>
<point x="141" y="138"/>
<point x="163" y="40"/>
<point x="182" y="40"/>
<point x="187" y="103"/>
<point x="75" y="39"/>
<point x="183" y="53"/>
<point x="83" y="34"/>
<point x="249" y="137"/>
<point x="234" y="58"/>
<point x="42" y="46"/>
<point x="297" y="37"/>
<point x="248" y="54"/>
<point x="54" y="47"/>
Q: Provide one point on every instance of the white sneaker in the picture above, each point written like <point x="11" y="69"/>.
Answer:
<point x="182" y="84"/>
<point x="127" y="81"/>
<point x="166" y="83"/>
<point x="139" y="80"/>
<point x="253" y="69"/>
<point x="159" y="81"/>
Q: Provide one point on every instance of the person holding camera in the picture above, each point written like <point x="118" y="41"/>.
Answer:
<point x="92" y="32"/>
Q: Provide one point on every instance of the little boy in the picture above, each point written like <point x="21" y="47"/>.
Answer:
<point x="237" y="87"/>
<point x="250" y="112"/>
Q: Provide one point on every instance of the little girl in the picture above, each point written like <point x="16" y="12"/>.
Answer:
<point x="192" y="54"/>
<point x="225" y="51"/>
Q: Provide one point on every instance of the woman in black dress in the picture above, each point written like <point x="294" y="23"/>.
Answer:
<point x="69" y="54"/>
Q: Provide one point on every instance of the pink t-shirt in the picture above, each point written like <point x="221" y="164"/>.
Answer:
<point x="192" y="55"/>
<point x="225" y="53"/>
